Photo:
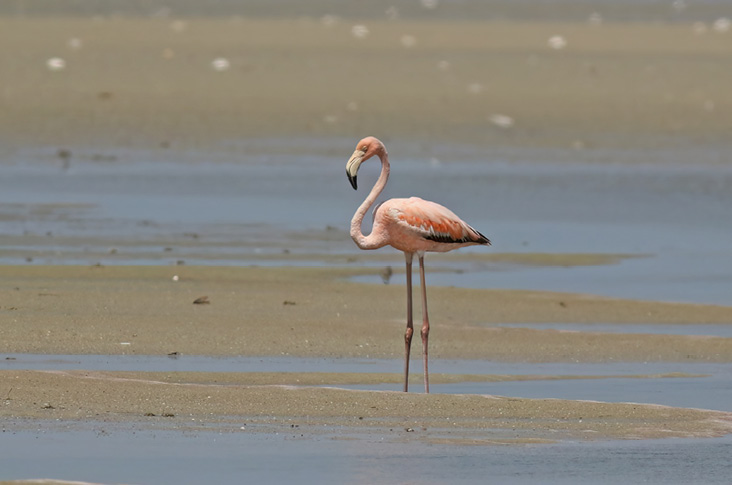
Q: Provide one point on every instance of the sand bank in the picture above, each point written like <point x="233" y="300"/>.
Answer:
<point x="458" y="419"/>
<point x="317" y="312"/>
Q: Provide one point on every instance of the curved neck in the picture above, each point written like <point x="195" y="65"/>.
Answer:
<point x="372" y="241"/>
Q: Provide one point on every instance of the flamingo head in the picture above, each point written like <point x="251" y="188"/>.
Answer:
<point x="365" y="149"/>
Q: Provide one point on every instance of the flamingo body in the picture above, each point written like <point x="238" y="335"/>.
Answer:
<point x="412" y="225"/>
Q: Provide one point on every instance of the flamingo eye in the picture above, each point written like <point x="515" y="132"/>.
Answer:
<point x="364" y="148"/>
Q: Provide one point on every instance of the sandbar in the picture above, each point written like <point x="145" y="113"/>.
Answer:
<point x="317" y="312"/>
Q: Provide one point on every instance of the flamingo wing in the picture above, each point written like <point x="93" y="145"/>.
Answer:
<point x="433" y="222"/>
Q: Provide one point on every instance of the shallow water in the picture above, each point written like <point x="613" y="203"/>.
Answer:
<point x="121" y="454"/>
<point x="700" y="330"/>
<point x="143" y="208"/>
<point x="707" y="392"/>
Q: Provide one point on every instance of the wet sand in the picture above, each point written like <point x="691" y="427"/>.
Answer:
<point x="202" y="402"/>
<point x="316" y="312"/>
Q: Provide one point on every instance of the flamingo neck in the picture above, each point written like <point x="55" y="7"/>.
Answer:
<point x="376" y="239"/>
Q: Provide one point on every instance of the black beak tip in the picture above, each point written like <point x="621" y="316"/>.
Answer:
<point x="354" y="182"/>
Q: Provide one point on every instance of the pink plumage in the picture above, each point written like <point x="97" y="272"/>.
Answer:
<point x="411" y="225"/>
<point x="415" y="225"/>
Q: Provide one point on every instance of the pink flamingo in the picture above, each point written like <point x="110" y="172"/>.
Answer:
<point x="411" y="225"/>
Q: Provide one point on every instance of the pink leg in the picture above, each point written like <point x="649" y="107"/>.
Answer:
<point x="425" y="322"/>
<point x="410" y="327"/>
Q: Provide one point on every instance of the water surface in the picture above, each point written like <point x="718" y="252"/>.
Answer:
<point x="194" y="209"/>
<point x="114" y="454"/>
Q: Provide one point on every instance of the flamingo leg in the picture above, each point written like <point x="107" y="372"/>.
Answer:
<point x="425" y="322"/>
<point x="410" y="327"/>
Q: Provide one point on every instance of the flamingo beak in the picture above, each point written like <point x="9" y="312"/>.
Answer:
<point x="352" y="167"/>
<point x="354" y="181"/>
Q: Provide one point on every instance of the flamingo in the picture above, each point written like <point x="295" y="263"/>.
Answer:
<point x="411" y="225"/>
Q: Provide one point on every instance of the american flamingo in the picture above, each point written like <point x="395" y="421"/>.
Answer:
<point x="413" y="226"/>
